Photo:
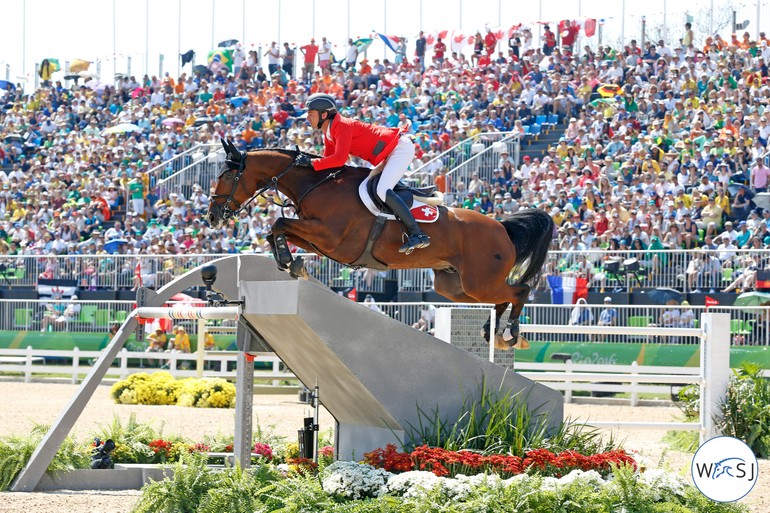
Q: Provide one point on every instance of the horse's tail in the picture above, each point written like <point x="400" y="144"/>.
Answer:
<point x="531" y="231"/>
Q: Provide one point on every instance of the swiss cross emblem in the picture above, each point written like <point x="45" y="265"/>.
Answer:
<point x="425" y="213"/>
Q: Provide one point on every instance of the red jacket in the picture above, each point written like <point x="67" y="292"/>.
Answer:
<point x="351" y="137"/>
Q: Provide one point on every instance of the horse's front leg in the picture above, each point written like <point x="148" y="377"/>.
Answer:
<point x="295" y="228"/>
<point x="280" y="249"/>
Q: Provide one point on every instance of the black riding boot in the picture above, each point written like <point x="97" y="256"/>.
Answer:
<point x="417" y="239"/>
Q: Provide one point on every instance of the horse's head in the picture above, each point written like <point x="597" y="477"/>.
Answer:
<point x="245" y="176"/>
<point x="230" y="193"/>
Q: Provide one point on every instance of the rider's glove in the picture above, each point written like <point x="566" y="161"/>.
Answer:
<point x="303" y="160"/>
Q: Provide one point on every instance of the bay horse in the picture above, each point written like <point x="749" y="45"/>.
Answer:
<point x="476" y="259"/>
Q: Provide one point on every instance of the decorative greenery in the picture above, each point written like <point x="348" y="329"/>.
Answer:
<point x="16" y="450"/>
<point x="162" y="388"/>
<point x="745" y="411"/>
<point x="684" y="441"/>
<point x="497" y="422"/>
<point x="352" y="488"/>
<point x="688" y="400"/>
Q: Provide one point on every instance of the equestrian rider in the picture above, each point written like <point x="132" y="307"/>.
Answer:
<point x="375" y="144"/>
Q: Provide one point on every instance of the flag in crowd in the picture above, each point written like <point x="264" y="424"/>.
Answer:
<point x="78" y="65"/>
<point x="362" y="44"/>
<point x="219" y="59"/>
<point x="566" y="290"/>
<point x="391" y="42"/>
<point x="188" y="56"/>
<point x="227" y="43"/>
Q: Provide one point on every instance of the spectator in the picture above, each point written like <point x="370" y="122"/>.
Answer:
<point x="58" y="316"/>
<point x="273" y="58"/>
<point x="309" y="51"/>
<point x="607" y="317"/>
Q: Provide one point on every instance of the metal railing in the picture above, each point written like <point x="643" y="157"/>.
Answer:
<point x="460" y="153"/>
<point x="200" y="165"/>
<point x="605" y="270"/>
<point x="116" y="272"/>
<point x="484" y="160"/>
<point x="685" y="270"/>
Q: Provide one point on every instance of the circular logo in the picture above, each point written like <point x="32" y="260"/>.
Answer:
<point x="724" y="469"/>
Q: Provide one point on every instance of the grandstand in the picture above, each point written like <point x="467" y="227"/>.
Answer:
<point x="652" y="161"/>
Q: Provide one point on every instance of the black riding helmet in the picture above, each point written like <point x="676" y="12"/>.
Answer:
<point x="322" y="102"/>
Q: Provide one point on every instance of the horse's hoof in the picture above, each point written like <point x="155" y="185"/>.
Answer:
<point x="521" y="343"/>
<point x="297" y="269"/>
<point x="501" y="344"/>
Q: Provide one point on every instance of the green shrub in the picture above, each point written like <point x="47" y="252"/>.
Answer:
<point x="500" y="422"/>
<point x="745" y="411"/>
<point x="15" y="452"/>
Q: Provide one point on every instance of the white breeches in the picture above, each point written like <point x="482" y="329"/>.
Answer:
<point x="395" y="165"/>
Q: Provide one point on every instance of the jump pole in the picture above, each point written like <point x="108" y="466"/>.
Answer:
<point x="186" y="312"/>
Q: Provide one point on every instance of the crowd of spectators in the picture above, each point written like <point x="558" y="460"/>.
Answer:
<point x="663" y="146"/>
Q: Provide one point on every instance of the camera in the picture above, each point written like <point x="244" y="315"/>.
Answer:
<point x="100" y="458"/>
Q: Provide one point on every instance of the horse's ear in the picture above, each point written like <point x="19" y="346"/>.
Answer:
<point x="224" y="144"/>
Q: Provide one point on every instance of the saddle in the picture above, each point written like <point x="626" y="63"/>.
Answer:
<point x="406" y="193"/>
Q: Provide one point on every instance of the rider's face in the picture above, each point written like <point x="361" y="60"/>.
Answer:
<point x="313" y="117"/>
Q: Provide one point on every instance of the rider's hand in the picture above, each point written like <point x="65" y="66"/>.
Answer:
<point x="303" y="160"/>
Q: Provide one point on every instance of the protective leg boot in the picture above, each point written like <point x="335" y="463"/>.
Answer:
<point x="417" y="239"/>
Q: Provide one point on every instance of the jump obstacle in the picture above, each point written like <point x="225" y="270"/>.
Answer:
<point x="374" y="373"/>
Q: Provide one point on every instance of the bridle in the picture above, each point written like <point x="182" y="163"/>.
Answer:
<point x="235" y="161"/>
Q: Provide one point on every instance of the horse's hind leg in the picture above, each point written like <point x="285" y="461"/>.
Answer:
<point x="511" y="335"/>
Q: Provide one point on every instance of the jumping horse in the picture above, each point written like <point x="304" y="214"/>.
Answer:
<point x="476" y="259"/>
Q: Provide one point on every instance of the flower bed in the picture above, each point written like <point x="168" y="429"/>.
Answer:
<point x="442" y="462"/>
<point x="162" y="388"/>
<point x="360" y="487"/>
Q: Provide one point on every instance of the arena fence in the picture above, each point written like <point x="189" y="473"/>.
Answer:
<point x="568" y="377"/>
<point x="605" y="270"/>
<point x="749" y="326"/>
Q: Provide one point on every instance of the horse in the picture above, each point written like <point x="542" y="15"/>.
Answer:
<point x="476" y="259"/>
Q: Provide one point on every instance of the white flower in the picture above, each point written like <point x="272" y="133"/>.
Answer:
<point x="659" y="480"/>
<point x="353" y="480"/>
<point x="549" y="483"/>
<point x="591" y="478"/>
<point x="413" y="484"/>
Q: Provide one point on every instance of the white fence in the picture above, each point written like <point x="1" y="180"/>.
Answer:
<point x="73" y="365"/>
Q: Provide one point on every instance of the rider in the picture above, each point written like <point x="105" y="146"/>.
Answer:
<point x="375" y="144"/>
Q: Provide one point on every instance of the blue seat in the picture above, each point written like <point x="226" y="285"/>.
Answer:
<point x="540" y="120"/>
<point x="527" y="129"/>
<point x="535" y="130"/>
<point x="553" y="119"/>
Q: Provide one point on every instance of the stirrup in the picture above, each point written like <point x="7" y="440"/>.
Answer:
<point x="418" y="241"/>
